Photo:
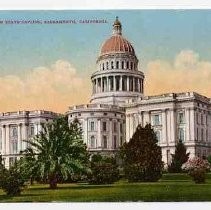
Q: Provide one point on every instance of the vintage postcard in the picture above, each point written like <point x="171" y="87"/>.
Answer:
<point x="105" y="105"/>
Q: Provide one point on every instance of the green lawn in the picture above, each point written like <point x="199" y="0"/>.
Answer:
<point x="170" y="188"/>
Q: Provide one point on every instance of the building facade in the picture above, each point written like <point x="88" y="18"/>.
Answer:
<point x="15" y="127"/>
<point x="116" y="107"/>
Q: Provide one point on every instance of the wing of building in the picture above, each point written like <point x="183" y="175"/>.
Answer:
<point x="117" y="106"/>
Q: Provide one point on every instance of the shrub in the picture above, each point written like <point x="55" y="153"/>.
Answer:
<point x="142" y="158"/>
<point x="104" y="170"/>
<point x="179" y="158"/>
<point x="197" y="168"/>
<point x="12" y="182"/>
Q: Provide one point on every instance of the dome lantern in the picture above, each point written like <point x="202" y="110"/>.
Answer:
<point x="117" y="27"/>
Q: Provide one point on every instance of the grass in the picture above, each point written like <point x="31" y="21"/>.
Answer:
<point x="172" y="187"/>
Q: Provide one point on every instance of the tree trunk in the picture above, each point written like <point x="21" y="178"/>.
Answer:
<point x="53" y="182"/>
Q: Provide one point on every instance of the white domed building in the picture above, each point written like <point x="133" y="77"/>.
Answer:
<point x="116" y="81"/>
<point x="118" y="105"/>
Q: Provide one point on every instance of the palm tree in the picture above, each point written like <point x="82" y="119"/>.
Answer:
<point x="58" y="150"/>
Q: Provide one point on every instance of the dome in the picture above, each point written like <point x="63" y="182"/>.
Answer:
<point x="117" y="43"/>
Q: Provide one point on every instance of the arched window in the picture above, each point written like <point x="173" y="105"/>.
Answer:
<point x="103" y="66"/>
<point x="127" y="64"/>
<point x="106" y="65"/>
<point x="123" y="64"/>
<point x="112" y="64"/>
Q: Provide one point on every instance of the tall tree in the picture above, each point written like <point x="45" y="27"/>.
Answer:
<point x="180" y="157"/>
<point x="58" y="150"/>
<point x="142" y="158"/>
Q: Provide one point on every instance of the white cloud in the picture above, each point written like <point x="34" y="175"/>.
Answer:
<point x="52" y="88"/>
<point x="186" y="73"/>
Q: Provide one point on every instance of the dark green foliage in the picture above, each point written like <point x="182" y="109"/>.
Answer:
<point x="180" y="157"/>
<point x="12" y="181"/>
<point x="104" y="170"/>
<point x="142" y="158"/>
<point x="56" y="153"/>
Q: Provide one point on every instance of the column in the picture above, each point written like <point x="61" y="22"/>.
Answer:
<point x="139" y="89"/>
<point x="19" y="138"/>
<point x="128" y="83"/>
<point x="120" y="83"/>
<point x="192" y="125"/>
<point x="114" y="83"/>
<point x="3" y="140"/>
<point x="142" y="85"/>
<point x="127" y="128"/>
<point x="85" y="131"/>
<point x="133" y="84"/>
<point x="164" y="127"/>
<point x="110" y="140"/>
<point x="173" y="128"/>
<point x="25" y="135"/>
<point x="7" y="150"/>
<point x="187" y="122"/>
<point x="99" y="134"/>
<point x="108" y="84"/>
<point x="146" y="118"/>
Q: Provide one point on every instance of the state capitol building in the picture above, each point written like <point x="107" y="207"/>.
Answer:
<point x="116" y="107"/>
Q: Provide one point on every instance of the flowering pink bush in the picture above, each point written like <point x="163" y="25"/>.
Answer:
<point x="197" y="168"/>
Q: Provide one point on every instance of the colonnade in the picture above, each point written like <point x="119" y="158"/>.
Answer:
<point x="117" y="83"/>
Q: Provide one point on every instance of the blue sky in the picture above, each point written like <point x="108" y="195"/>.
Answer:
<point x="155" y="34"/>
<point x="48" y="66"/>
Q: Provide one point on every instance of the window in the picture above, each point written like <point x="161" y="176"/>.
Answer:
<point x="103" y="66"/>
<point x="106" y="65"/>
<point x="12" y="160"/>
<point x="105" y="142"/>
<point x="115" y="127"/>
<point x="197" y="134"/>
<point x="121" y="128"/>
<point x="157" y="133"/>
<point x="123" y="65"/>
<point x="92" y="126"/>
<point x="13" y="132"/>
<point x="112" y="64"/>
<point x="181" y="134"/>
<point x="197" y="118"/>
<point x="115" y="142"/>
<point x="117" y="64"/>
<point x="31" y="130"/>
<point x="156" y="120"/>
<point x="92" y="142"/>
<point x="181" y="117"/>
<point x="127" y="64"/>
<point x="202" y="119"/>
<point x="104" y="126"/>
<point x="202" y="134"/>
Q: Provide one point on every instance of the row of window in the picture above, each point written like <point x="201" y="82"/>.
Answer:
<point x="156" y="119"/>
<point x="203" y="135"/>
<point x="201" y="119"/>
<point x="118" y="65"/>
<point x="93" y="142"/>
<point x="92" y="126"/>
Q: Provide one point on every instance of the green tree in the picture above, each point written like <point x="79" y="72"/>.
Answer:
<point x="56" y="152"/>
<point x="179" y="158"/>
<point x="104" y="170"/>
<point x="142" y="158"/>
